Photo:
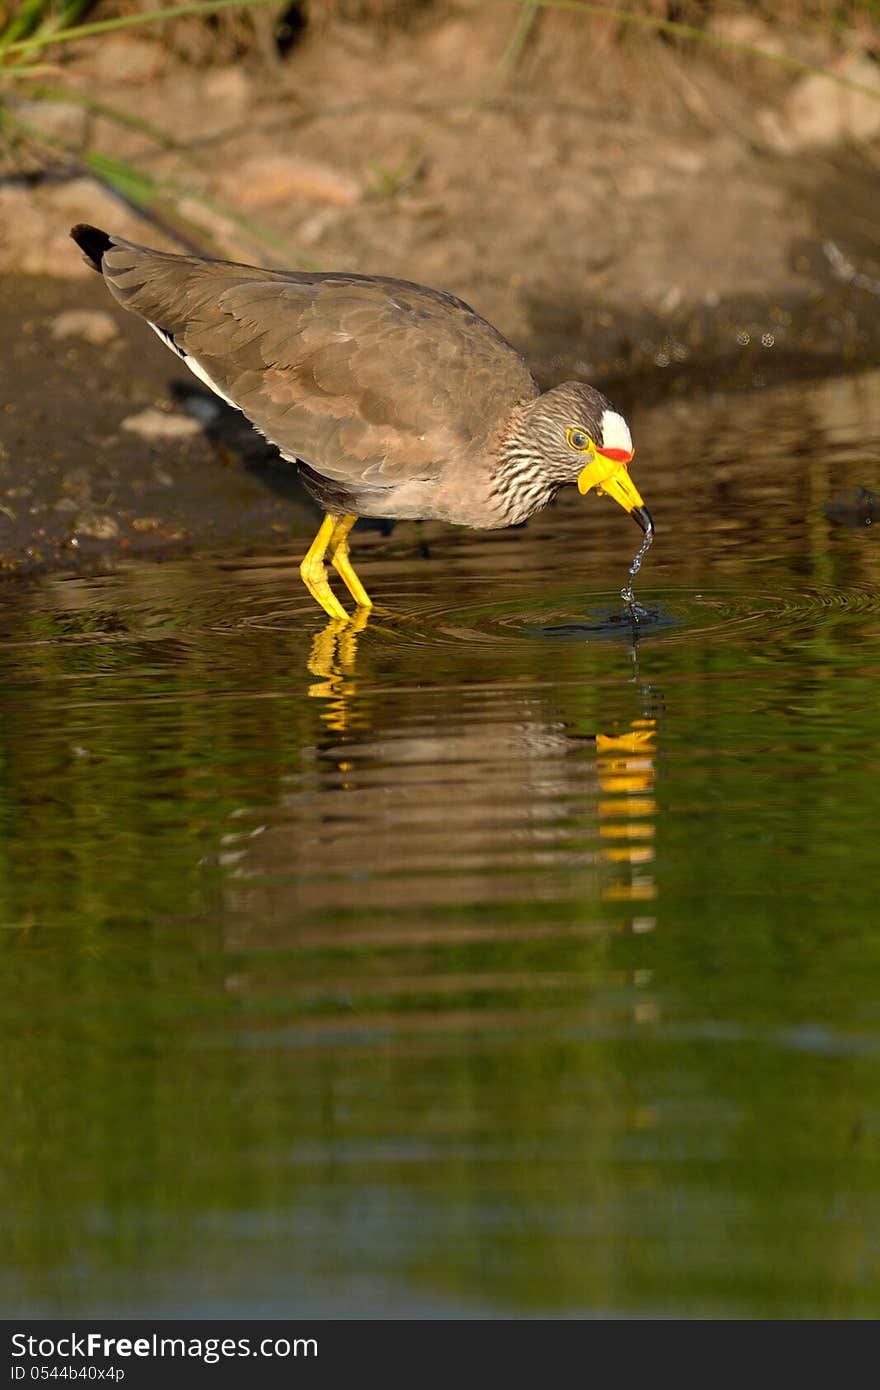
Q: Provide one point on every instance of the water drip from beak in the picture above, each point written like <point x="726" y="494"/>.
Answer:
<point x="643" y="517"/>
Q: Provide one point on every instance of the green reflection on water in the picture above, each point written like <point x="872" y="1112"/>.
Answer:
<point x="449" y="968"/>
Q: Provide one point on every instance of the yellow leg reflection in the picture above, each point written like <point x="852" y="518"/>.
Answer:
<point x="333" y="660"/>
<point x="331" y="543"/>
<point x="626" y="767"/>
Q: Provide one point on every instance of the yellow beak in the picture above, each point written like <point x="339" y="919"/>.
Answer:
<point x="611" y="476"/>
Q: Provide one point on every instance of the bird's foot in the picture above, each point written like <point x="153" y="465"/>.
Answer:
<point x="344" y="568"/>
<point x="314" y="576"/>
<point x="337" y="549"/>
<point x="331" y="541"/>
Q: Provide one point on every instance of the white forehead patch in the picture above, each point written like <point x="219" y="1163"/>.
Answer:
<point x="615" y="432"/>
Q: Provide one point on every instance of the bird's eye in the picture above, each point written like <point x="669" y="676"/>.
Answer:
<point x="578" y="440"/>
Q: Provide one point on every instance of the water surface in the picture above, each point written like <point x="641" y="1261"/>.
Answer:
<point x="503" y="957"/>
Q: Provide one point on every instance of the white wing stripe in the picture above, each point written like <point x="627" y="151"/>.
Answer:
<point x="195" y="367"/>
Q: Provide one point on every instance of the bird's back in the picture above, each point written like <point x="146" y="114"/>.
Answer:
<point x="374" y="383"/>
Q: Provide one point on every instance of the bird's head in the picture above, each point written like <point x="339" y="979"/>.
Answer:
<point x="584" y="440"/>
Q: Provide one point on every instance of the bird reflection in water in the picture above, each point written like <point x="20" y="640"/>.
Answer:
<point x="626" y="768"/>
<point x="461" y="794"/>
<point x="626" y="765"/>
<point x="332" y="661"/>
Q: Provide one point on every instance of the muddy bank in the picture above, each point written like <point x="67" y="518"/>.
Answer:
<point x="681" y="223"/>
<point x="106" y="451"/>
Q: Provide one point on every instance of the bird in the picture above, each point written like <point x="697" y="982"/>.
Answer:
<point x="395" y="400"/>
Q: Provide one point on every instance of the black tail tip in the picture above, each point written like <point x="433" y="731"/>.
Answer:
<point x="92" y="242"/>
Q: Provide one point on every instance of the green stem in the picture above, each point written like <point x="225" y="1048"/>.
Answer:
<point x="27" y="73"/>
<point x="146" y="191"/>
<point x="519" y="38"/>
<point x="106" y="26"/>
<point x="71" y="13"/>
<point x="31" y="13"/>
<point x="110" y="113"/>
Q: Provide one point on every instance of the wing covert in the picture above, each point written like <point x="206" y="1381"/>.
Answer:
<point x="367" y="380"/>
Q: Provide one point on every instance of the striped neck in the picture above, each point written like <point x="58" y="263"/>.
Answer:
<point x="522" y="482"/>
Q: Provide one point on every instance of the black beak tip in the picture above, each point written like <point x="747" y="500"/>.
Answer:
<point x="644" y="518"/>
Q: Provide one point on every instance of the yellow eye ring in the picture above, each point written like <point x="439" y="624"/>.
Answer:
<point x="580" y="442"/>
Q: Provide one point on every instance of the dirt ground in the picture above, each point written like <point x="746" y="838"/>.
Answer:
<point x="599" y="187"/>
<point x="659" y="221"/>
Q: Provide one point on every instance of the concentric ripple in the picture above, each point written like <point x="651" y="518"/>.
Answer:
<point x="206" y="602"/>
<point x="670" y="615"/>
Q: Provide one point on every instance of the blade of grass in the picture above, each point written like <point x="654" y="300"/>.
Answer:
<point x="70" y="13"/>
<point x="525" y="22"/>
<point x="253" y="229"/>
<point x="39" y="16"/>
<point x="690" y="31"/>
<point x="31" y="71"/>
<point x="519" y="38"/>
<point x="110" y="113"/>
<point x="29" y="16"/>
<point x="109" y="26"/>
<point x="146" y="192"/>
<point x="134" y="184"/>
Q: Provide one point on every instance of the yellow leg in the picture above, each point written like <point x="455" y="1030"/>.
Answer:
<point x="314" y="574"/>
<point x="338" y="552"/>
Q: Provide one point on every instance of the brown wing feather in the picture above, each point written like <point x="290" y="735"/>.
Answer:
<point x="369" y="381"/>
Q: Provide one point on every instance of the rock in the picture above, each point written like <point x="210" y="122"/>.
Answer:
<point x="313" y="228"/>
<point x="158" y="424"/>
<point x="227" y="88"/>
<point x="96" y="526"/>
<point x="77" y="483"/>
<point x="274" y="178"/>
<point x="809" y="45"/>
<point x="58" y="120"/>
<point x="82" y="195"/>
<point x="818" y="112"/>
<point x="206" y="409"/>
<point x="855" y="506"/>
<point x="747" y="30"/>
<point x="771" y="127"/>
<point x="93" y="325"/>
<point x="126" y="58"/>
<point x="33" y="243"/>
<point x="683" y="160"/>
<point x="637" y="181"/>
